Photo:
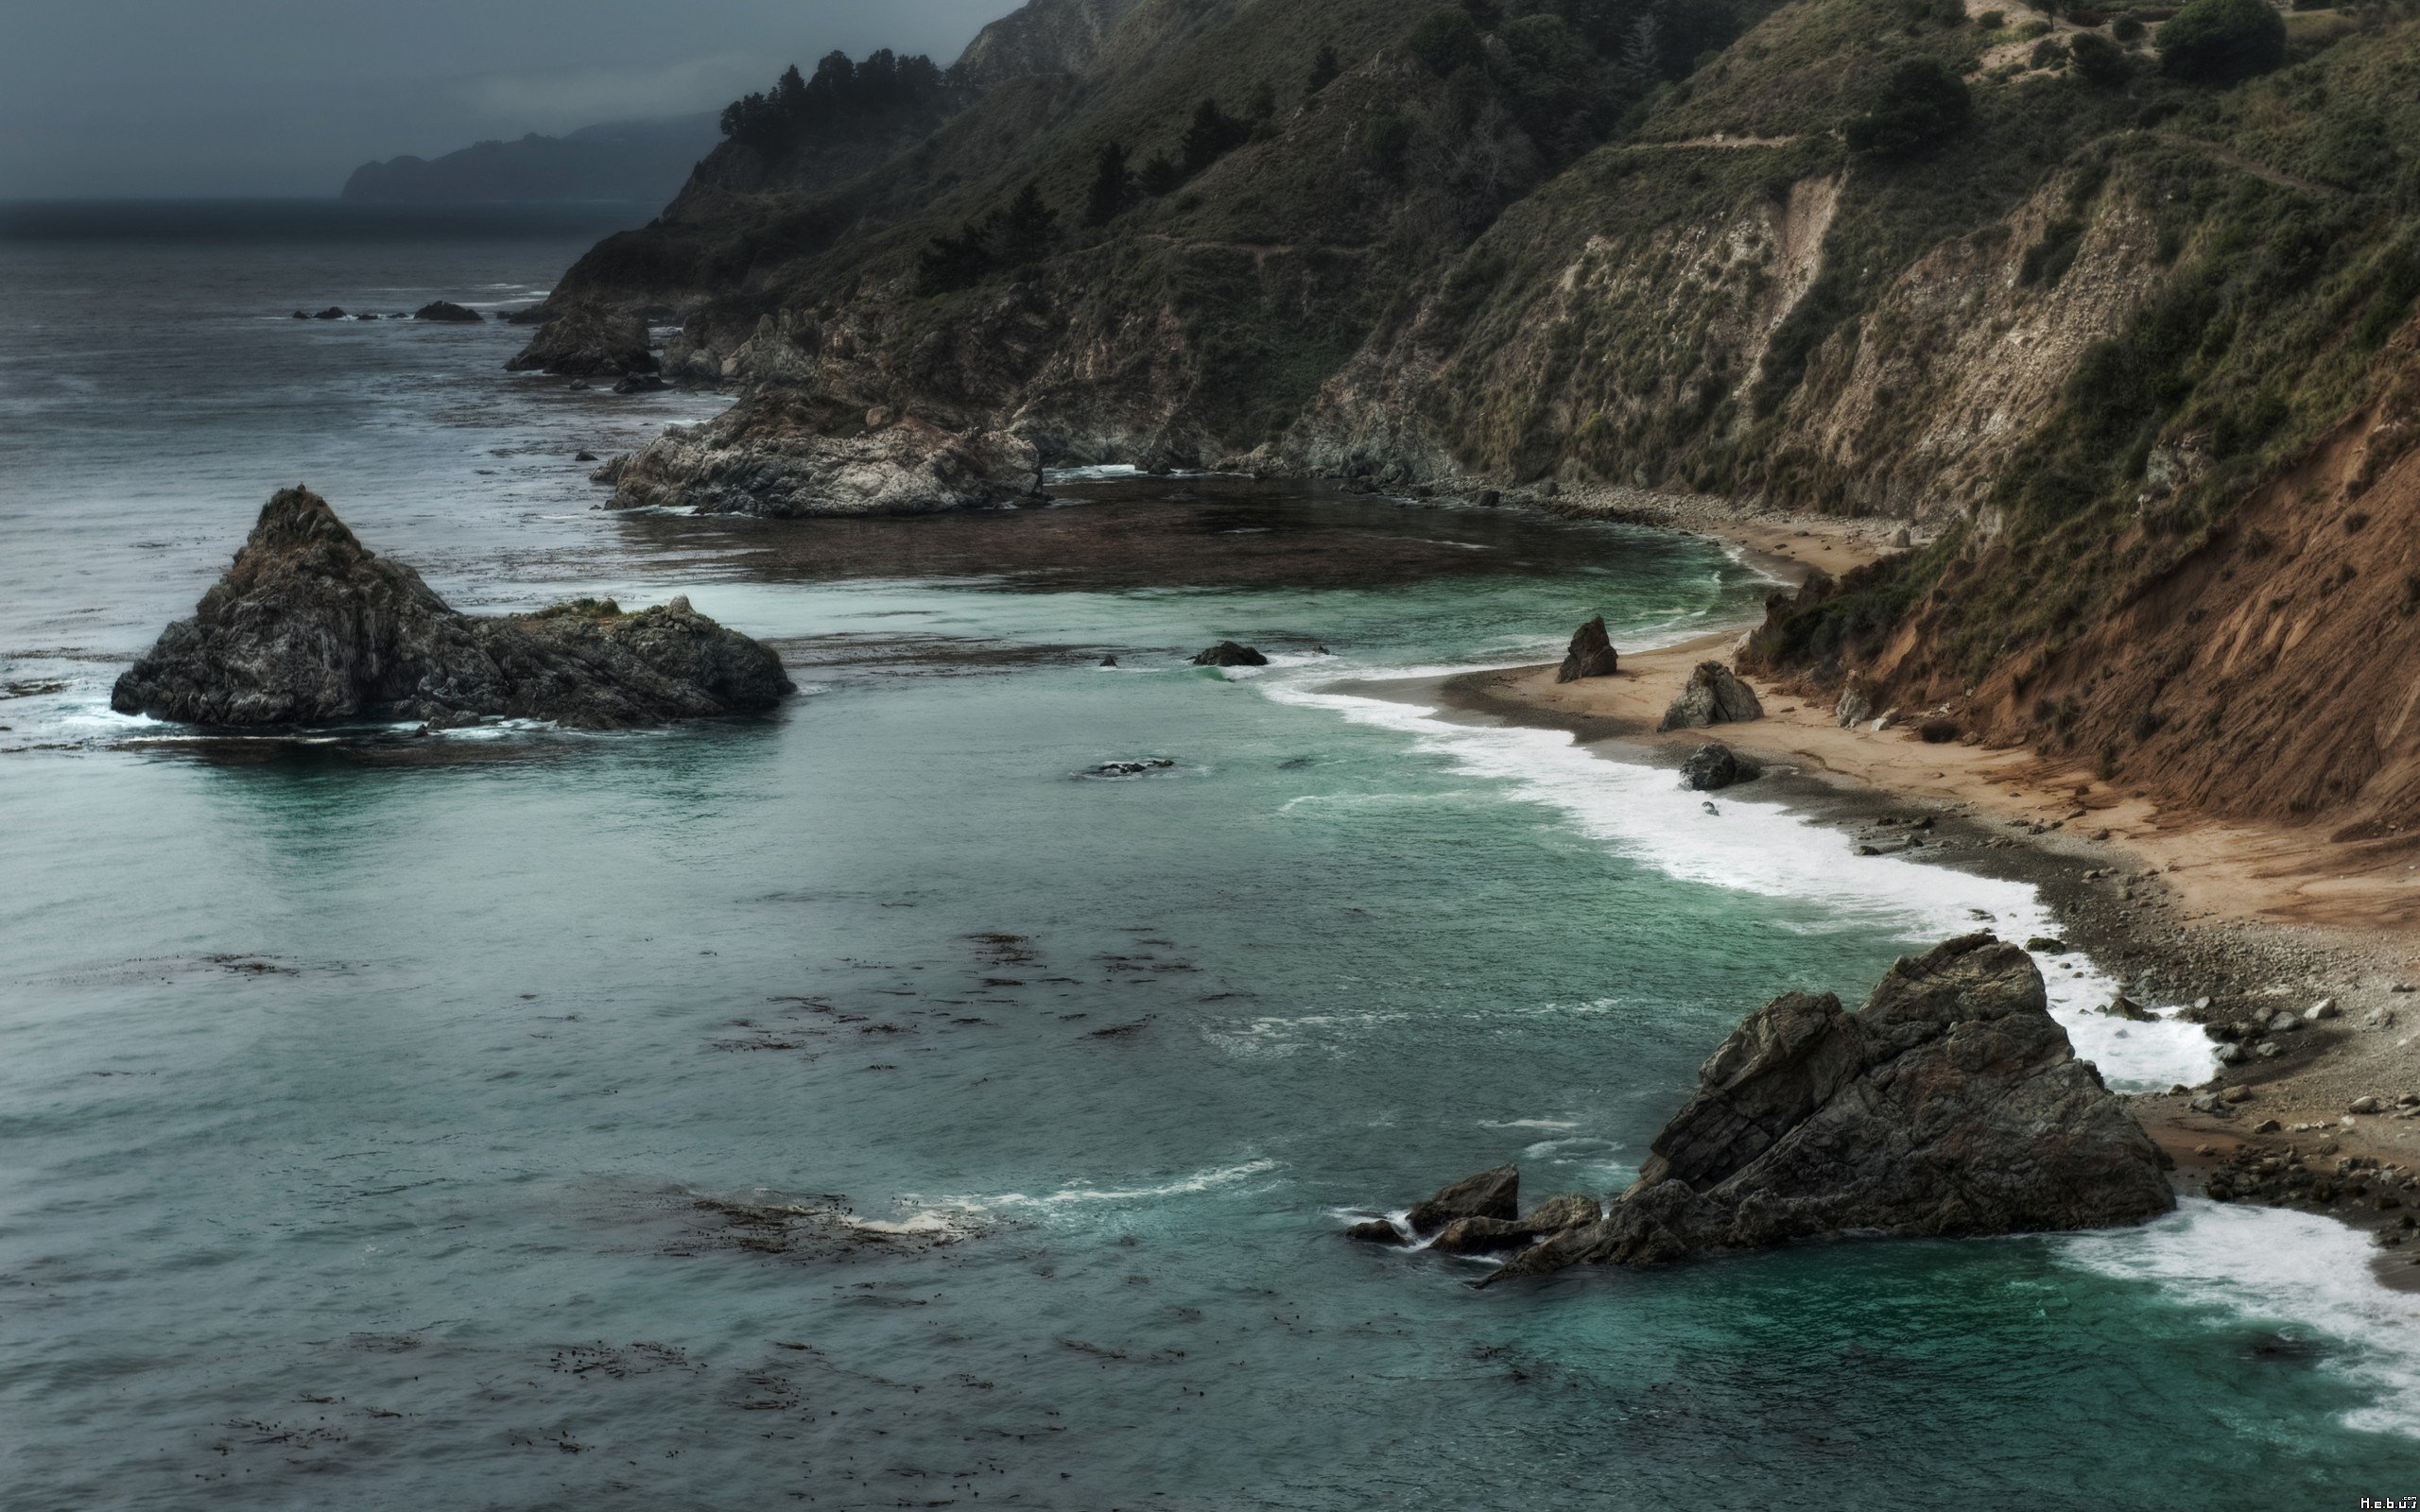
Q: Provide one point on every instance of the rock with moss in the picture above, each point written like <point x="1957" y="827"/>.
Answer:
<point x="786" y="456"/>
<point x="311" y="628"/>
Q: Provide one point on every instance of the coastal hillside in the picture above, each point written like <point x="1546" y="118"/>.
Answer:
<point x="641" y="162"/>
<point x="2108" y="305"/>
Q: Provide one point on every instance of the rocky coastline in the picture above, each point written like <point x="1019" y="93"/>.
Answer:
<point x="2277" y="1130"/>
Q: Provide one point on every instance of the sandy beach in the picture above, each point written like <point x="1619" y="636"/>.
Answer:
<point x="2242" y="920"/>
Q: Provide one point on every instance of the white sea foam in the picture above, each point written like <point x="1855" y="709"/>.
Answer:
<point x="2280" y="1268"/>
<point x="1075" y="1193"/>
<point x="1763" y="848"/>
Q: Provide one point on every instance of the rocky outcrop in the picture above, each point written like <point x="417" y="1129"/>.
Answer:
<point x="309" y="626"/>
<point x="1951" y="1105"/>
<point x="1715" y="695"/>
<point x="588" y="341"/>
<point x="449" y="313"/>
<point x="1481" y="1215"/>
<point x="1591" y="654"/>
<point x="1230" y="654"/>
<point x="1042" y="37"/>
<point x="1494" y="1195"/>
<point x="784" y="456"/>
<point x="1713" y="766"/>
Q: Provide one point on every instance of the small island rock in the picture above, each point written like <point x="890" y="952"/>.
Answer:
<point x="309" y="626"/>
<point x="588" y="341"/>
<point x="449" y="313"/>
<point x="1230" y="654"/>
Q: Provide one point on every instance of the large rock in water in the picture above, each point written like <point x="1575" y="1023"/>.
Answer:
<point x="1715" y="695"/>
<point x="1952" y="1104"/>
<point x="309" y="626"/>
<point x="787" y="456"/>
<point x="448" y="312"/>
<point x="588" y="341"/>
<point x="1591" y="654"/>
<point x="1713" y="766"/>
<point x="1230" y="654"/>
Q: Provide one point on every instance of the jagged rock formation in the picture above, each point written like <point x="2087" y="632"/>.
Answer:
<point x="447" y="312"/>
<point x="1713" y="766"/>
<point x="1591" y="654"/>
<point x="588" y="341"/>
<point x="1230" y="654"/>
<point x="1951" y="1105"/>
<point x="1481" y="1214"/>
<point x="309" y="626"/>
<point x="1713" y="696"/>
<point x="793" y="458"/>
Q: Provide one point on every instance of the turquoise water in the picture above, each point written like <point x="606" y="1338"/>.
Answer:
<point x="357" y="1100"/>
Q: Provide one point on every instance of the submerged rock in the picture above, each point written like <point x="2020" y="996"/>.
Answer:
<point x="784" y="456"/>
<point x="1132" y="769"/>
<point x="1591" y="654"/>
<point x="588" y="341"/>
<point x="1715" y="695"/>
<point x="1230" y="654"/>
<point x="1951" y="1105"/>
<point x="639" y="383"/>
<point x="309" y="626"/>
<point x="449" y="313"/>
<point x="1713" y="766"/>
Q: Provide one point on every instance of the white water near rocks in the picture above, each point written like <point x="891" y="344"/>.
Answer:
<point x="358" y="1096"/>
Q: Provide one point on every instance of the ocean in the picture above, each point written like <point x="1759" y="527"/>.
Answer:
<point x="874" y="1105"/>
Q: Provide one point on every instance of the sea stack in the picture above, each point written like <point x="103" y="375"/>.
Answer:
<point x="309" y="626"/>
<point x="1952" y="1104"/>
<point x="1591" y="654"/>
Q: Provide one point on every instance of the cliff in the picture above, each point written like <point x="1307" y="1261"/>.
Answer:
<point x="2121" y="344"/>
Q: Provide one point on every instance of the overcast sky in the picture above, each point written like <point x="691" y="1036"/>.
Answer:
<point x="140" y="97"/>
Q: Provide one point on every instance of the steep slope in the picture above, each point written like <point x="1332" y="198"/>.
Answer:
<point x="2119" y="343"/>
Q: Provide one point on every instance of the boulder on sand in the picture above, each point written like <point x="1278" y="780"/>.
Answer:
<point x="1591" y="654"/>
<point x="448" y="312"/>
<point x="1715" y="695"/>
<point x="588" y="341"/>
<point x="1713" y="766"/>
<point x="1230" y="654"/>
<point x="1951" y="1105"/>
<point x="309" y="626"/>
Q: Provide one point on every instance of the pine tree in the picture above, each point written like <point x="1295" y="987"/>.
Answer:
<point x="1113" y="187"/>
<point x="1325" y="69"/>
<point x="1025" y="231"/>
<point x="1213" y="134"/>
<point x="1160" y="175"/>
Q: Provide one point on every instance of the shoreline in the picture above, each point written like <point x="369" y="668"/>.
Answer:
<point x="2241" y="922"/>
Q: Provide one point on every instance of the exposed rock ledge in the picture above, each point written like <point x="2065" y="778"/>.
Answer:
<point x="1952" y="1104"/>
<point x="786" y="456"/>
<point x="309" y="626"/>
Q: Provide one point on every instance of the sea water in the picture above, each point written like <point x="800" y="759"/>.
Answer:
<point x="875" y="1105"/>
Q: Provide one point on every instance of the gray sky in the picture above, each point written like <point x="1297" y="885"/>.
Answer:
<point x="138" y="97"/>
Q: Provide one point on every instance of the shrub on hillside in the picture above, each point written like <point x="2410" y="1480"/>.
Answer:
<point x="2096" y="60"/>
<point x="1446" y="40"/>
<point x="2222" y="42"/>
<point x="1921" y="105"/>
